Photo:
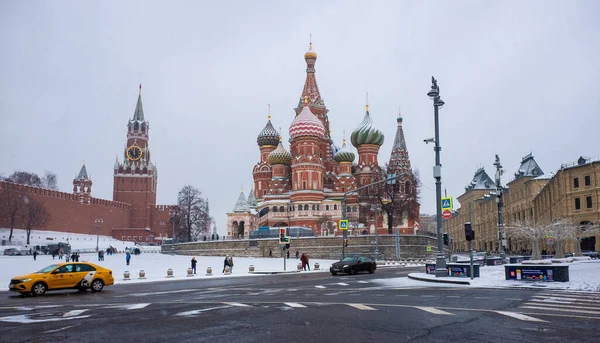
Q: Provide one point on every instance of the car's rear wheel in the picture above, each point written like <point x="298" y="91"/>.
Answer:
<point x="333" y="273"/>
<point x="39" y="288"/>
<point x="372" y="270"/>
<point x="97" y="285"/>
<point x="353" y="271"/>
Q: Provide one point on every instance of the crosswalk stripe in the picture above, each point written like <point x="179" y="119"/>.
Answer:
<point x="363" y="307"/>
<point x="342" y="284"/>
<point x="74" y="313"/>
<point x="363" y="281"/>
<point x="558" y="309"/>
<point x="520" y="316"/>
<point x="551" y="306"/>
<point x="237" y="304"/>
<point x="295" y="305"/>
<point x="319" y="286"/>
<point x="434" y="310"/>
<point x="593" y="296"/>
<point x="137" y="306"/>
<point x="567" y="299"/>
<point x="193" y="312"/>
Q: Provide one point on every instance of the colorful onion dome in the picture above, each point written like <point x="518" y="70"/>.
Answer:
<point x="268" y="135"/>
<point x="344" y="154"/>
<point x="279" y="156"/>
<point x="310" y="54"/>
<point x="366" y="132"/>
<point x="307" y="124"/>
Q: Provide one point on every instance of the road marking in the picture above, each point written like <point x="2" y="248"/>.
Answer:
<point x="427" y="296"/>
<point x="520" y="316"/>
<point x="336" y="293"/>
<point x="292" y="289"/>
<point x="295" y="305"/>
<point x="454" y="296"/>
<point x="237" y="304"/>
<point x="165" y="292"/>
<point x="137" y="306"/>
<point x="513" y="299"/>
<point x="319" y="286"/>
<point x="194" y="312"/>
<point x="24" y="318"/>
<point x="127" y="306"/>
<point x="74" y="313"/>
<point x="401" y="295"/>
<point x="482" y="298"/>
<point x="342" y="284"/>
<point x="66" y="327"/>
<point x="566" y="299"/>
<point x="576" y="306"/>
<point x="559" y="309"/>
<point x="433" y="310"/>
<point x="363" y="281"/>
<point x="363" y="307"/>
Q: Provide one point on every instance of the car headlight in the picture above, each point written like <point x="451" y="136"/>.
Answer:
<point x="345" y="266"/>
<point x="25" y="280"/>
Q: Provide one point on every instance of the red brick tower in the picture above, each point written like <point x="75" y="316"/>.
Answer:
<point x="307" y="134"/>
<point x="135" y="179"/>
<point x="82" y="186"/>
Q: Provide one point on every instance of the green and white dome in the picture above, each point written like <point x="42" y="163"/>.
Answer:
<point x="367" y="133"/>
<point x="344" y="154"/>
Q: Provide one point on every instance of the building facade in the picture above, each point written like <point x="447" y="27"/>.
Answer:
<point x="132" y="214"/>
<point x="307" y="185"/>
<point x="571" y="193"/>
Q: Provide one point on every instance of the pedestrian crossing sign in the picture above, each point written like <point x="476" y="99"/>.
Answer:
<point x="447" y="203"/>
<point x="428" y="248"/>
<point x="343" y="224"/>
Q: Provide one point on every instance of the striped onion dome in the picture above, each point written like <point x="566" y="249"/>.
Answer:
<point x="268" y="135"/>
<point x="307" y="124"/>
<point x="344" y="154"/>
<point x="279" y="156"/>
<point x="366" y="132"/>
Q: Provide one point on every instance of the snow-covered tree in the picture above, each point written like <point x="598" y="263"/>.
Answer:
<point x="531" y="232"/>
<point x="193" y="214"/>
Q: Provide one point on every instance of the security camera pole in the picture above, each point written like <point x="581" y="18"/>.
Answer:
<point x="434" y="94"/>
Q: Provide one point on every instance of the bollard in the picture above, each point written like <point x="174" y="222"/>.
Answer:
<point x="142" y="274"/>
<point x="317" y="266"/>
<point x="208" y="271"/>
<point x="126" y="275"/>
<point x="169" y="272"/>
<point x="299" y="266"/>
<point x="190" y="272"/>
<point x="250" y="269"/>
<point x="227" y="271"/>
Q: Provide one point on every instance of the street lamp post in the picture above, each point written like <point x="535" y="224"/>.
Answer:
<point x="434" y="94"/>
<point x="98" y="222"/>
<point x="500" y="201"/>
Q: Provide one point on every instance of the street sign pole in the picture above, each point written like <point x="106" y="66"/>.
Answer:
<point x="471" y="242"/>
<point x="283" y="250"/>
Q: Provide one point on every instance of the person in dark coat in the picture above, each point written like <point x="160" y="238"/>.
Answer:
<point x="127" y="257"/>
<point x="35" y="255"/>
<point x="226" y="263"/>
<point x="194" y="263"/>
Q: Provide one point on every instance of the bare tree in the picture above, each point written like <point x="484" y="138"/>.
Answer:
<point x="34" y="215"/>
<point x="580" y="231"/>
<point x="11" y="207"/>
<point x="25" y="178"/>
<point x="194" y="217"/>
<point x="530" y="232"/>
<point x="50" y="181"/>
<point x="326" y="223"/>
<point x="398" y="198"/>
<point x="561" y="232"/>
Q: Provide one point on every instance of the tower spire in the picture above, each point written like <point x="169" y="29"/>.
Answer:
<point x="138" y="114"/>
<point x="367" y="103"/>
<point x="399" y="162"/>
<point x="269" y="112"/>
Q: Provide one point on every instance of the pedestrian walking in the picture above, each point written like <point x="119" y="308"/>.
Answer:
<point x="288" y="253"/>
<point x="226" y="263"/>
<point x="34" y="254"/>
<point x="297" y="254"/>
<point x="230" y="264"/>
<point x="194" y="264"/>
<point x="270" y="253"/>
<point x="127" y="257"/>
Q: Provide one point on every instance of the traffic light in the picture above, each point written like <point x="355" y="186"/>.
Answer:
<point x="283" y="238"/>
<point x="446" y="238"/>
<point x="469" y="233"/>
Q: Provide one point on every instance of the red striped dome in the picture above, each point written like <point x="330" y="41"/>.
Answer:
<point x="307" y="124"/>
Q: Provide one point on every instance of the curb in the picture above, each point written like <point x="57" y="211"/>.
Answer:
<point x="270" y="273"/>
<point x="457" y="282"/>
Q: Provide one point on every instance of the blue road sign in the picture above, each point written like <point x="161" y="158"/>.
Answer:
<point x="343" y="224"/>
<point x="447" y="203"/>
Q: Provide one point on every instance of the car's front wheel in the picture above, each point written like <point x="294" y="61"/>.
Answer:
<point x="372" y="270"/>
<point x="39" y="288"/>
<point x="97" y="285"/>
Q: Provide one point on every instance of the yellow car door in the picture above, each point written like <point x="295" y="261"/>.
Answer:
<point x="79" y="274"/>
<point x="59" y="278"/>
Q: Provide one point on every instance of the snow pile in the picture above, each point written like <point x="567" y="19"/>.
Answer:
<point x="583" y="276"/>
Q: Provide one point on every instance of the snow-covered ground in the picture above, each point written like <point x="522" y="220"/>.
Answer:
<point x="584" y="275"/>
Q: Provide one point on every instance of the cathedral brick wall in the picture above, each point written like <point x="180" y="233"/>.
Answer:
<point x="68" y="214"/>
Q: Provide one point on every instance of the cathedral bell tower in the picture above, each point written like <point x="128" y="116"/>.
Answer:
<point x="135" y="178"/>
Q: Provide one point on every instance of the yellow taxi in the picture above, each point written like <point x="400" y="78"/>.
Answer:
<point x="77" y="275"/>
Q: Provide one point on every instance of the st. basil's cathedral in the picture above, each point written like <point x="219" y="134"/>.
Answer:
<point x="304" y="187"/>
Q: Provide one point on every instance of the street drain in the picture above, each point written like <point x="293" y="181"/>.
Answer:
<point x="47" y="339"/>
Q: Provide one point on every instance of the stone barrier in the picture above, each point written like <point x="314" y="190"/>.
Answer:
<point x="208" y="271"/>
<point x="227" y="270"/>
<point x="190" y="272"/>
<point x="169" y="272"/>
<point x="126" y="275"/>
<point x="317" y="266"/>
<point x="142" y="274"/>
<point x="251" y="269"/>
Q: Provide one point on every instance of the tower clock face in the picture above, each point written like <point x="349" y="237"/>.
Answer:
<point x="134" y="153"/>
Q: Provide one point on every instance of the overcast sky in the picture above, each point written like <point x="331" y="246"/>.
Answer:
<point x="517" y="77"/>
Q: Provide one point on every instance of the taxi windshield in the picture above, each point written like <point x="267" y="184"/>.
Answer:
<point x="47" y="269"/>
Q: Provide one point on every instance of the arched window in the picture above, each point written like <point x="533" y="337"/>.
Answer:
<point x="355" y="208"/>
<point x="326" y="207"/>
<point x="314" y="207"/>
<point x="281" y="209"/>
<point x="306" y="207"/>
<point x="407" y="187"/>
<point x="274" y="208"/>
<point x="335" y="207"/>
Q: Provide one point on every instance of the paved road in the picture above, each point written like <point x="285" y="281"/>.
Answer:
<point x="305" y="307"/>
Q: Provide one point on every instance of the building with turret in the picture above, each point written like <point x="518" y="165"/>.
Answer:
<point x="306" y="183"/>
<point x="132" y="215"/>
